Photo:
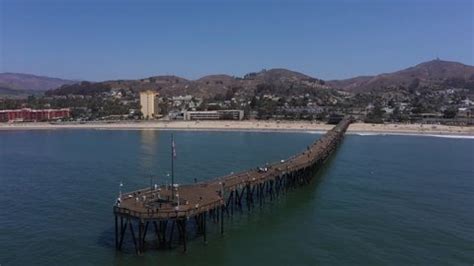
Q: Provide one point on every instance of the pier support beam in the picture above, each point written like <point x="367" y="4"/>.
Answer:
<point x="204" y="230"/>
<point x="116" y="233"/>
<point x="182" y="229"/>
<point x="137" y="249"/>
<point x="170" y="240"/>
<point x="222" y="220"/>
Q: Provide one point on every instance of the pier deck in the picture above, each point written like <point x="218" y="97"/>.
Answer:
<point x="214" y="197"/>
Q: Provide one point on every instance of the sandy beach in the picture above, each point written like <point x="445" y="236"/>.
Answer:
<point x="295" y="126"/>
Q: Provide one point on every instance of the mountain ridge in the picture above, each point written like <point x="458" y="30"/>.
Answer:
<point x="21" y="83"/>
<point x="435" y="73"/>
<point x="207" y="86"/>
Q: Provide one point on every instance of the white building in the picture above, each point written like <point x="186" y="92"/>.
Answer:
<point x="214" y="115"/>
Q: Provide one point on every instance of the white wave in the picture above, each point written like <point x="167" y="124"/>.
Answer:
<point x="316" y="132"/>
<point x="452" y="136"/>
<point x="412" y="134"/>
<point x="367" y="134"/>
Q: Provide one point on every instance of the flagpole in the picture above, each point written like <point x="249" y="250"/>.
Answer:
<point x="172" y="166"/>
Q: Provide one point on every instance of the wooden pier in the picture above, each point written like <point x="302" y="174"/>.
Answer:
<point x="158" y="217"/>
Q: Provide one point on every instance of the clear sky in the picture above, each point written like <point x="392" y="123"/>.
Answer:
<point x="111" y="39"/>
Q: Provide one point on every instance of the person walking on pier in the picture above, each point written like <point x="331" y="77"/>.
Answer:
<point x="118" y="202"/>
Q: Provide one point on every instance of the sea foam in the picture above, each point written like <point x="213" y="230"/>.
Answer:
<point x="412" y="134"/>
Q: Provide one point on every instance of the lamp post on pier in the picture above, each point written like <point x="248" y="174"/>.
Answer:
<point x="173" y="155"/>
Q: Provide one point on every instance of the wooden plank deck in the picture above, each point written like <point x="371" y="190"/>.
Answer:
<point x="194" y="199"/>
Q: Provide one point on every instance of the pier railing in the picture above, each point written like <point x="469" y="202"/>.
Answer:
<point x="223" y="194"/>
<point x="315" y="152"/>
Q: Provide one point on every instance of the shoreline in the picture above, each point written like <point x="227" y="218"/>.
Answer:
<point x="250" y="126"/>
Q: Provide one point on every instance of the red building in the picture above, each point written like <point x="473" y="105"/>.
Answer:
<point x="27" y="114"/>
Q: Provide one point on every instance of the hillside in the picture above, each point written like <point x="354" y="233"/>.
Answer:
<point x="17" y="84"/>
<point x="436" y="74"/>
<point x="14" y="93"/>
<point x="431" y="74"/>
<point x="274" y="80"/>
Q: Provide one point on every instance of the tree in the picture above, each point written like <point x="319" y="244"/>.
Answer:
<point x="396" y="114"/>
<point x="228" y="95"/>
<point x="253" y="102"/>
<point x="376" y="114"/>
<point x="450" y="112"/>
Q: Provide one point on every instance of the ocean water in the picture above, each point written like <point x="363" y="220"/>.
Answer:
<point x="380" y="200"/>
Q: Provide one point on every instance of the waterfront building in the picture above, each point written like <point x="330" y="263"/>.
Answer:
<point x="201" y="115"/>
<point x="214" y="115"/>
<point x="148" y="102"/>
<point x="33" y="115"/>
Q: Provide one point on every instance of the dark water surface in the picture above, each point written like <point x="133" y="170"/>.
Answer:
<point x="381" y="200"/>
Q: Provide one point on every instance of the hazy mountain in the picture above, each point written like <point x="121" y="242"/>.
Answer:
<point x="17" y="83"/>
<point x="435" y="74"/>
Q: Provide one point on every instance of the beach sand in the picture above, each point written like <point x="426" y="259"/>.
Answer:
<point x="295" y="126"/>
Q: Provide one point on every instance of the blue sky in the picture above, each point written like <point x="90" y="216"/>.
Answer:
<point x="100" y="40"/>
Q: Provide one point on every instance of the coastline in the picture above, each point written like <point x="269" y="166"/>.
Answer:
<point x="258" y="126"/>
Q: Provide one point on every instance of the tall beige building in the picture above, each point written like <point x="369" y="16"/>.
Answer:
<point x="148" y="103"/>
